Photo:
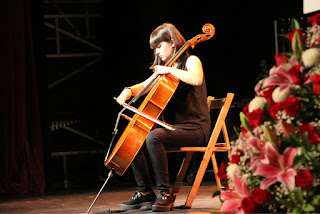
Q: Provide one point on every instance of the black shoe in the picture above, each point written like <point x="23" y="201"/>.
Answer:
<point x="163" y="203"/>
<point x="138" y="201"/>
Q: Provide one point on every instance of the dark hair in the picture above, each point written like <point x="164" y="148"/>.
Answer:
<point x="165" y="32"/>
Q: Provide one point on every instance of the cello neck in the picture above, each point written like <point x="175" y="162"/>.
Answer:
<point x="178" y="54"/>
<point x="207" y="29"/>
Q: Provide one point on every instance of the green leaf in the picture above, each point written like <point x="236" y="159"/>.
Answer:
<point x="305" y="141"/>
<point x="289" y="54"/>
<point x="304" y="92"/>
<point x="296" y="210"/>
<point x="302" y="150"/>
<point x="296" y="45"/>
<point x="299" y="195"/>
<point x="293" y="198"/>
<point x="283" y="35"/>
<point x="316" y="164"/>
<point x="295" y="140"/>
<point x="287" y="203"/>
<point x="236" y="131"/>
<point x="307" y="208"/>
<point x="270" y="134"/>
<point x="294" y="24"/>
<point x="299" y="160"/>
<point x="316" y="200"/>
<point x="244" y="121"/>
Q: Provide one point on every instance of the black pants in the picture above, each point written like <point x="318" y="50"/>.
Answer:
<point x="155" y="145"/>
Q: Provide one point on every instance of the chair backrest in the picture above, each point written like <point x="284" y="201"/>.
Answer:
<point x="217" y="103"/>
<point x="224" y="105"/>
<point x="220" y="103"/>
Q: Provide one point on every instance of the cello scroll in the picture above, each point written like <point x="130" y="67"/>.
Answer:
<point x="208" y="30"/>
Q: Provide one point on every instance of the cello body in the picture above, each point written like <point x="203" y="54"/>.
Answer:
<point x="133" y="137"/>
<point x="139" y="127"/>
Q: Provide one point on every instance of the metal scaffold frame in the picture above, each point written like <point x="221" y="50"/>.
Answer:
<point x="95" y="51"/>
<point x="63" y="27"/>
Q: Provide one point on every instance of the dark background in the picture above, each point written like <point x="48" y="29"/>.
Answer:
<point x="231" y="60"/>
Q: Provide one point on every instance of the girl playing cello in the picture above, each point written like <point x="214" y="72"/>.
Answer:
<point x="187" y="112"/>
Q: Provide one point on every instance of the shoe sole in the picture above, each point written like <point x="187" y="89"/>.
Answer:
<point x="147" y="205"/>
<point x="160" y="208"/>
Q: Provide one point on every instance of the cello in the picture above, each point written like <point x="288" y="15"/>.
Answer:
<point x="146" y="116"/>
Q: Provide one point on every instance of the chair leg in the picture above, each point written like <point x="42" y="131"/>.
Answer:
<point x="215" y="169"/>
<point x="181" y="174"/>
<point x="197" y="181"/>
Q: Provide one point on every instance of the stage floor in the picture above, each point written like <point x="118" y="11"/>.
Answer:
<point x="109" y="200"/>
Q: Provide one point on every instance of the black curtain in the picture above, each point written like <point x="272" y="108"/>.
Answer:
<point x="21" y="150"/>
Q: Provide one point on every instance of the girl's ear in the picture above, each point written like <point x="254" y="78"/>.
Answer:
<point x="172" y="44"/>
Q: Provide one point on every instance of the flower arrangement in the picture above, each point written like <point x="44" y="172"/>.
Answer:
<point x="275" y="162"/>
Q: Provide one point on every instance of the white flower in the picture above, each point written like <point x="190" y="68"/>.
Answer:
<point x="311" y="57"/>
<point x="257" y="102"/>
<point x="232" y="168"/>
<point x="279" y="96"/>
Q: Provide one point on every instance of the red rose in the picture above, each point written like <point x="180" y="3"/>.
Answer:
<point x="315" y="19"/>
<point x="290" y="106"/>
<point x="303" y="178"/>
<point x="236" y="158"/>
<point x="245" y="109"/>
<point x="313" y="136"/>
<point x="248" y="205"/>
<point x="256" y="117"/>
<point x="316" y="84"/>
<point x="222" y="171"/>
<point x="273" y="110"/>
<point x="260" y="195"/>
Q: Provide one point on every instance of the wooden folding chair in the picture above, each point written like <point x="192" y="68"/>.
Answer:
<point x="209" y="151"/>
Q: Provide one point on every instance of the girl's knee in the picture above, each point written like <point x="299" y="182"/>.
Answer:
<point x="155" y="136"/>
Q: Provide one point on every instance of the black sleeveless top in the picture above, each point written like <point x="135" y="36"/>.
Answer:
<point x="188" y="107"/>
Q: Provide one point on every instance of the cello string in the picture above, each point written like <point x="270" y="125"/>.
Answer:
<point x="177" y="54"/>
<point x="135" y="98"/>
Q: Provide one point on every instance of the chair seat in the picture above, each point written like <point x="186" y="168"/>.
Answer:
<point x="221" y="147"/>
<point x="193" y="149"/>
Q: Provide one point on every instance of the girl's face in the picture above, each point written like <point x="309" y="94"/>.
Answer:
<point x="165" y="50"/>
